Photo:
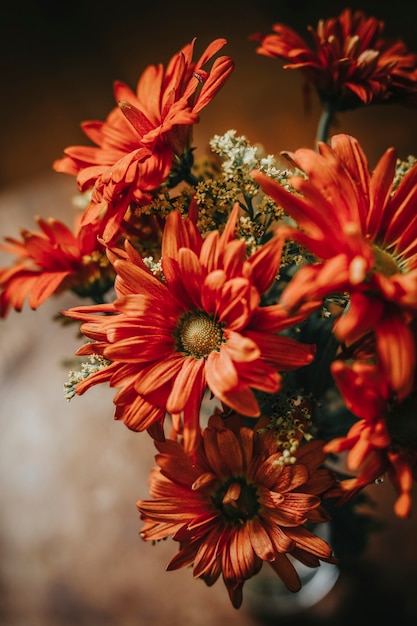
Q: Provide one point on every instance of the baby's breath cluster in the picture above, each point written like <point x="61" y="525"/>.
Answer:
<point x="233" y="183"/>
<point x="215" y="197"/>
<point x="293" y="254"/>
<point x="240" y="157"/>
<point x="291" y="420"/>
<point x="94" y="364"/>
<point x="402" y="168"/>
<point x="155" y="267"/>
<point x="251" y="232"/>
<point x="166" y="202"/>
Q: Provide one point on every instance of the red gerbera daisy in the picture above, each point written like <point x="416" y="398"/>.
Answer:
<point x="234" y="505"/>
<point x="137" y="141"/>
<point x="363" y="231"/>
<point x="202" y="325"/>
<point x="384" y="440"/>
<point x="51" y="261"/>
<point x="352" y="64"/>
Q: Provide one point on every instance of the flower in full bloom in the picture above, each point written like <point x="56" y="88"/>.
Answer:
<point x="53" y="260"/>
<point x="362" y="230"/>
<point x="233" y="505"/>
<point x="202" y="325"/>
<point x="351" y="63"/>
<point x="137" y="143"/>
<point x="383" y="440"/>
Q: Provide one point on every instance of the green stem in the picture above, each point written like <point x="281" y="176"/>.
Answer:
<point x="191" y="179"/>
<point x="249" y="206"/>
<point x="325" y="122"/>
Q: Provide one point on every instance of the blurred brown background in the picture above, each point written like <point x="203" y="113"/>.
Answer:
<point x="69" y="475"/>
<point x="58" y="61"/>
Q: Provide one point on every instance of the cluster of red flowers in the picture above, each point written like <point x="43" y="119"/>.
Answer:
<point x="184" y="305"/>
<point x="351" y="63"/>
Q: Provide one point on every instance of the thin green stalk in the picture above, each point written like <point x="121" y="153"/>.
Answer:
<point x="325" y="122"/>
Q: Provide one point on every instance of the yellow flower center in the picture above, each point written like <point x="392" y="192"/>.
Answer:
<point x="199" y="334"/>
<point x="385" y="263"/>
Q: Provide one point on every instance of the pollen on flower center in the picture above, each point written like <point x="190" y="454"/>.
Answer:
<point x="237" y="501"/>
<point x="199" y="334"/>
<point x="385" y="263"/>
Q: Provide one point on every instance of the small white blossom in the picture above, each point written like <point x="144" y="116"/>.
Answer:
<point x="95" y="363"/>
<point x="154" y="266"/>
<point x="239" y="156"/>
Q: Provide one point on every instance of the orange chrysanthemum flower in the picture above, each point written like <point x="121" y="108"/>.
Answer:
<point x="352" y="64"/>
<point x="202" y="325"/>
<point x="138" y="140"/>
<point x="51" y="261"/>
<point x="383" y="441"/>
<point x="362" y="229"/>
<point x="235" y="505"/>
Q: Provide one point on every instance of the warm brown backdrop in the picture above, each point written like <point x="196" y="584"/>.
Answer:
<point x="58" y="61"/>
<point x="69" y="475"/>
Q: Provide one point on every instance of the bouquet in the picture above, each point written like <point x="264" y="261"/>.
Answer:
<point x="256" y="314"/>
